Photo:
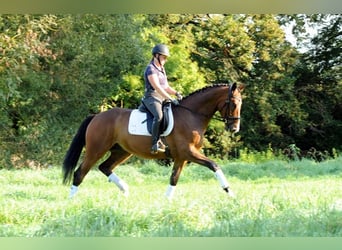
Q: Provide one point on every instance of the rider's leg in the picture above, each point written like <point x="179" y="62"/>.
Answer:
<point x="157" y="145"/>
<point x="155" y="107"/>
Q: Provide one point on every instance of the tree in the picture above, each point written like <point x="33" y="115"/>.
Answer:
<point x="25" y="53"/>
<point x="319" y="86"/>
<point x="56" y="69"/>
<point x="252" y="49"/>
<point x="272" y="111"/>
<point x="223" y="47"/>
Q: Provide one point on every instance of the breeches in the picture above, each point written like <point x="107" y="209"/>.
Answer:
<point x="155" y="107"/>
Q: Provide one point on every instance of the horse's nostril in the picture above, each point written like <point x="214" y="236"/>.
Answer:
<point x="234" y="129"/>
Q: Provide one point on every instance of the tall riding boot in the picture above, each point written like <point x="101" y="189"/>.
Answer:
<point x="157" y="145"/>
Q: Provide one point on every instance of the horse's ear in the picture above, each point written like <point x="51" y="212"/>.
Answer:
<point x="233" y="87"/>
<point x="241" y="87"/>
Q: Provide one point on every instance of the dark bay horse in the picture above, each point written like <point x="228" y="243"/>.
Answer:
<point x="107" y="131"/>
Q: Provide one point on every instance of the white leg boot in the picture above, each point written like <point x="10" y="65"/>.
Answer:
<point x="170" y="192"/>
<point x="73" y="191"/>
<point x="224" y="183"/>
<point x="122" y="185"/>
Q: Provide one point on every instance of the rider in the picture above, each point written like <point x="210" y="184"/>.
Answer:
<point x="157" y="90"/>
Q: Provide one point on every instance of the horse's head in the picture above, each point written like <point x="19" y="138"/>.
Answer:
<point x="232" y="108"/>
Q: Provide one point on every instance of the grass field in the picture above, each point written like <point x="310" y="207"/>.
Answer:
<point x="274" y="198"/>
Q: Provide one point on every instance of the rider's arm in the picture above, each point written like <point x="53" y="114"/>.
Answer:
<point x="171" y="90"/>
<point x="154" y="80"/>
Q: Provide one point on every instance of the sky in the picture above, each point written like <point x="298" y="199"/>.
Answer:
<point x="292" y="39"/>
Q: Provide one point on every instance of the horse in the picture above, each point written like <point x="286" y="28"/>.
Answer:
<point x="107" y="132"/>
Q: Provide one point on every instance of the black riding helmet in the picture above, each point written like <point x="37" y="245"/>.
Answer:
<point x="161" y="49"/>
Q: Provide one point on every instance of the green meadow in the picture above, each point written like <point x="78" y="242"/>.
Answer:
<point x="273" y="198"/>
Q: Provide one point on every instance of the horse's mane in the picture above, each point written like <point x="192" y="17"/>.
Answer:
<point x="206" y="88"/>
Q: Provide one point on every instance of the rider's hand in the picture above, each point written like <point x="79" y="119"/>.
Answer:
<point x="179" y="96"/>
<point x="175" y="102"/>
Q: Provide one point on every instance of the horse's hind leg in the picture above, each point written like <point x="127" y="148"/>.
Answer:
<point x="94" y="151"/>
<point x="117" y="156"/>
<point x="80" y="173"/>
<point x="176" y="171"/>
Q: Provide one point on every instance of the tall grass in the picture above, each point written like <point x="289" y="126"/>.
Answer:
<point x="274" y="198"/>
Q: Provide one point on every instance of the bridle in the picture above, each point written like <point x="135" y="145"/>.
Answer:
<point x="227" y="118"/>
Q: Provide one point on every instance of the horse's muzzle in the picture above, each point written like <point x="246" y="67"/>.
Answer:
<point x="235" y="129"/>
<point x="233" y="126"/>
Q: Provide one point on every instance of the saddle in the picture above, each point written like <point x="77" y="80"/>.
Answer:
<point x="140" y="121"/>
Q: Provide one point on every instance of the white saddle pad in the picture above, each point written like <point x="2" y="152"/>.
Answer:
<point x="137" y="124"/>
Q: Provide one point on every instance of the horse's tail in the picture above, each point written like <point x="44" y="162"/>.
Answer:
<point x="75" y="150"/>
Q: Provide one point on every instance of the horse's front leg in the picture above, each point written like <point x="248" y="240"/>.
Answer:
<point x="199" y="158"/>
<point x="224" y="183"/>
<point x="176" y="171"/>
<point x="117" y="156"/>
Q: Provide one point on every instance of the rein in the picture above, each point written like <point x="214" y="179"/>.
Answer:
<point x="225" y="119"/>
<point x="201" y="114"/>
<point x="191" y="111"/>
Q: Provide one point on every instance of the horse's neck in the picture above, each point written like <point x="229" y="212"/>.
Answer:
<point x="204" y="105"/>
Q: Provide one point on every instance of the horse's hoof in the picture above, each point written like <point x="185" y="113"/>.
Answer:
<point x="125" y="193"/>
<point x="230" y="193"/>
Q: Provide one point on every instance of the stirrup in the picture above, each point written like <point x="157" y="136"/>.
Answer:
<point x="158" y="147"/>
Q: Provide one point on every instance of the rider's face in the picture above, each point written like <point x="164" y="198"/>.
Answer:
<point x="162" y="59"/>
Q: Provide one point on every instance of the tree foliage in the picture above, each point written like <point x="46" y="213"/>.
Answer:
<point x="56" y="69"/>
<point x="319" y="85"/>
<point x="270" y="99"/>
